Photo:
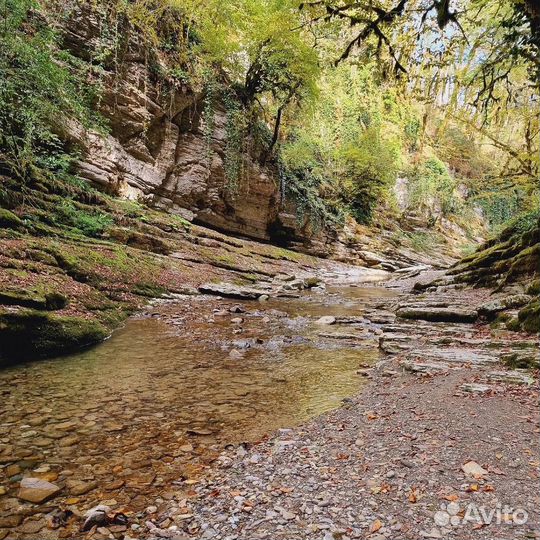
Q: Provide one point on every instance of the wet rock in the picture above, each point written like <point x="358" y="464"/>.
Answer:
<point x="12" y="520"/>
<point x="199" y="431"/>
<point x="295" y="285"/>
<point x="32" y="527"/>
<point x="312" y="281"/>
<point x="37" y="490"/>
<point x="68" y="441"/>
<point x="438" y="314"/>
<point x="96" y="516"/>
<point x="114" y="485"/>
<point x="77" y="487"/>
<point x="12" y="470"/>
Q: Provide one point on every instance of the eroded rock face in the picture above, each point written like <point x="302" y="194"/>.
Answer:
<point x="158" y="147"/>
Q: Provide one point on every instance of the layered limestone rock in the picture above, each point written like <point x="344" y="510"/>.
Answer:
<point x="159" y="149"/>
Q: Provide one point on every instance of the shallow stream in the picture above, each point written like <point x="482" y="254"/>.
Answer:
<point x="149" y="408"/>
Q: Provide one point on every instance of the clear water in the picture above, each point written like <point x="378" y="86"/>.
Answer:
<point x="154" y="403"/>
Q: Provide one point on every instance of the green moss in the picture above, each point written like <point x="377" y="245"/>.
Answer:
<point x="529" y="317"/>
<point x="250" y="277"/>
<point x="522" y="360"/>
<point x="9" y="220"/>
<point x="27" y="334"/>
<point x="136" y="239"/>
<point x="22" y="298"/>
<point x="513" y="324"/>
<point x="31" y="299"/>
<point x="534" y="288"/>
<point x="150" y="290"/>
<point x="55" y="300"/>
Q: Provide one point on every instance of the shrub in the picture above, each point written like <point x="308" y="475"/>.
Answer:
<point x="431" y="185"/>
<point x="371" y="168"/>
<point x="40" y="85"/>
<point x="89" y="223"/>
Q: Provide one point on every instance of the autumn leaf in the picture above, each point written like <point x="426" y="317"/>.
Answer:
<point x="375" y="526"/>
<point x="413" y="495"/>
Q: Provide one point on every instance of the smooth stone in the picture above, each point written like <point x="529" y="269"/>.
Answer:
<point x="37" y="490"/>
<point x="326" y="319"/>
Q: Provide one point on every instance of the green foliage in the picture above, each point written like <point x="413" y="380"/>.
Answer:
<point x="350" y="137"/>
<point x="302" y="187"/>
<point x="90" y="224"/>
<point x="371" y="168"/>
<point x="235" y="130"/>
<point x="209" y="112"/>
<point x="498" y="207"/>
<point x="40" y="86"/>
<point x="431" y="186"/>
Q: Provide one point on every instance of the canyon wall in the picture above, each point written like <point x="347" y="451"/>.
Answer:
<point x="158" y="148"/>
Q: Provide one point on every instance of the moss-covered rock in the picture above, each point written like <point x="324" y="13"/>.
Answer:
<point x="526" y="359"/>
<point x="9" y="220"/>
<point x="534" y="288"/>
<point x="50" y="301"/>
<point x="529" y="317"/>
<point x="27" y="334"/>
<point x="149" y="290"/>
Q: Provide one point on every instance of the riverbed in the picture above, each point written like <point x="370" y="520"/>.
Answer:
<point x="150" y="408"/>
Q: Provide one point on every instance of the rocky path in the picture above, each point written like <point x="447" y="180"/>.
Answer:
<point x="443" y="443"/>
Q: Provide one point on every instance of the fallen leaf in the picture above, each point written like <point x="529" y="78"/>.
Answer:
<point x="451" y="498"/>
<point x="375" y="526"/>
<point x="413" y="495"/>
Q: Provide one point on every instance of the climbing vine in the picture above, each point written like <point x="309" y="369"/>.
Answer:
<point x="234" y="142"/>
<point x="302" y="188"/>
<point x="209" y="112"/>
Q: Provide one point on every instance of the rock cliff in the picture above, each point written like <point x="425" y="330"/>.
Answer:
<point x="159" y="149"/>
